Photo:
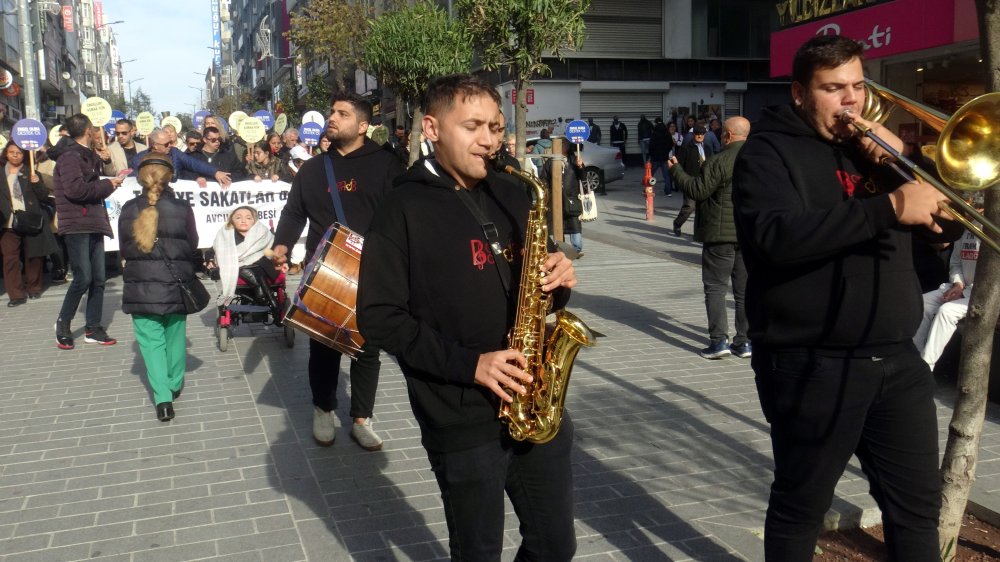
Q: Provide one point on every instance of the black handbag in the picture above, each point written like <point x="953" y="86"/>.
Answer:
<point x="26" y="223"/>
<point x="572" y="206"/>
<point x="193" y="292"/>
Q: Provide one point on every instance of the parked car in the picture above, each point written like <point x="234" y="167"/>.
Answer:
<point x="601" y="165"/>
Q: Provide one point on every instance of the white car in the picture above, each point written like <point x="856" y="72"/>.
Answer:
<point x="601" y="165"/>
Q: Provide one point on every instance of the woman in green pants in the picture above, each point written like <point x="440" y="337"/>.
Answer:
<point x="158" y="240"/>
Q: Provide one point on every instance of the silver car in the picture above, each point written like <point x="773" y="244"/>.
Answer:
<point x="599" y="163"/>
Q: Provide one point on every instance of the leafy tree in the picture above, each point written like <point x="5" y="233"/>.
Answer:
<point x="226" y="105"/>
<point x="332" y="30"/>
<point x="318" y="95"/>
<point x="117" y="101"/>
<point x="958" y="468"/>
<point x="289" y="101"/>
<point x="408" y="47"/>
<point x="141" y="102"/>
<point x="187" y="122"/>
<point x="513" y="34"/>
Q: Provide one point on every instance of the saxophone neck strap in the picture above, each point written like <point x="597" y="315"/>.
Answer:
<point x="492" y="236"/>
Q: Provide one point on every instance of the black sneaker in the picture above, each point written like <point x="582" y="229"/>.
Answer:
<point x="98" y="335"/>
<point x="717" y="350"/>
<point x="64" y="336"/>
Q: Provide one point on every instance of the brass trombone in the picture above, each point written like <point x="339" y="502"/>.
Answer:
<point x="968" y="150"/>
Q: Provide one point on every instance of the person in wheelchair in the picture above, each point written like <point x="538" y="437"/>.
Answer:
<point x="240" y="248"/>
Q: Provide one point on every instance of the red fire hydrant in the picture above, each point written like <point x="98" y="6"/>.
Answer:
<point x="648" y="181"/>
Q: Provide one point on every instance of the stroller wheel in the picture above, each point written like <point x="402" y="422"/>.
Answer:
<point x="223" y="336"/>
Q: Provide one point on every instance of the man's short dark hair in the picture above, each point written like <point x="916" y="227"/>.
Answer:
<point x="192" y="135"/>
<point x="824" y="51"/>
<point x="78" y="125"/>
<point x="208" y="130"/>
<point x="442" y="91"/>
<point x="128" y="122"/>
<point x="361" y="106"/>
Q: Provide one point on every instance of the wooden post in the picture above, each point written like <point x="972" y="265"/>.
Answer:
<point x="556" y="201"/>
<point x="31" y="163"/>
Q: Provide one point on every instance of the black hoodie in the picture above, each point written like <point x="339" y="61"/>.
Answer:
<point x="829" y="266"/>
<point x="429" y="293"/>
<point x="363" y="178"/>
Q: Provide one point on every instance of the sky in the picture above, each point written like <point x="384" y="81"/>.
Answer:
<point x="171" y="42"/>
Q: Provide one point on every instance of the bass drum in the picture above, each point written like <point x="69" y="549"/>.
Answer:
<point x="324" y="305"/>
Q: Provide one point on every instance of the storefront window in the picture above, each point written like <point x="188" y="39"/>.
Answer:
<point x="732" y="28"/>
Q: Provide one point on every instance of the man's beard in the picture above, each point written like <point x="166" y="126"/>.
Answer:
<point x="340" y="138"/>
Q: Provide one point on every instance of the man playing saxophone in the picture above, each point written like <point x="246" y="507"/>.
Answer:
<point x="432" y="292"/>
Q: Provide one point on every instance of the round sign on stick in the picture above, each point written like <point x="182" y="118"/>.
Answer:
<point x="252" y="130"/>
<point x="3" y="140"/>
<point x="313" y="117"/>
<point x="281" y="123"/>
<point x="53" y="135"/>
<point x="145" y="123"/>
<point x="172" y="120"/>
<point x="29" y="134"/>
<point x="310" y="133"/>
<point x="235" y="118"/>
<point x="265" y="117"/>
<point x="577" y="131"/>
<point x="97" y="109"/>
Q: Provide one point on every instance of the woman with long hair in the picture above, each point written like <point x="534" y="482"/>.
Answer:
<point x="21" y="190"/>
<point x="158" y="239"/>
<point x="263" y="164"/>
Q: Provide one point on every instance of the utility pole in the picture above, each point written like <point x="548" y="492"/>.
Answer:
<point x="32" y="101"/>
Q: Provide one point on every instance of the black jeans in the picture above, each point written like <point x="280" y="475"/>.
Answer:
<point x="86" y="256"/>
<point x="687" y="207"/>
<point x="824" y="409"/>
<point x="536" y="478"/>
<point x="720" y="263"/>
<point x="324" y="374"/>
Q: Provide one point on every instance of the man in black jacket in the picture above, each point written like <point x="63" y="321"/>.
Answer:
<point x="691" y="155"/>
<point x="430" y="293"/>
<point x="833" y="304"/>
<point x="211" y="153"/>
<point x="83" y="223"/>
<point x="363" y="172"/>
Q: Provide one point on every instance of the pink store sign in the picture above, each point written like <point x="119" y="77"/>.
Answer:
<point x="886" y="29"/>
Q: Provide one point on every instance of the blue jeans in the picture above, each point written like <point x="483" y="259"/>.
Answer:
<point x="86" y="256"/>
<point x="661" y="165"/>
<point x="576" y="239"/>
<point x="824" y="409"/>
<point x="644" y="148"/>
<point x="537" y="479"/>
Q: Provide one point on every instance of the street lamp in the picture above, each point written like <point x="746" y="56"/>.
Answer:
<point x="131" y="109"/>
<point x="109" y="23"/>
<point x="201" y="94"/>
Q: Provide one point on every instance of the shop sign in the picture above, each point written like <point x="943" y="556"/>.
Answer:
<point x="67" y="18"/>
<point x="885" y="29"/>
<point x="794" y="12"/>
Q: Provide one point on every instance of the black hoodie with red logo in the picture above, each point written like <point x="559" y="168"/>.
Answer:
<point x="429" y="293"/>
<point x="829" y="265"/>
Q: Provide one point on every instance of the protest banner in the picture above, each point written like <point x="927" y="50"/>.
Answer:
<point x="211" y="204"/>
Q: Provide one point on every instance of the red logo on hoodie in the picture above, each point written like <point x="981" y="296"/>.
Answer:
<point x="848" y="182"/>
<point x="480" y="256"/>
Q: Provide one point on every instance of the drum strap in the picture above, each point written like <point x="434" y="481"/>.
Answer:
<point x="492" y="236"/>
<point x="331" y="180"/>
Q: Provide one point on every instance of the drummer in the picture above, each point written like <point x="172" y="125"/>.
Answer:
<point x="363" y="172"/>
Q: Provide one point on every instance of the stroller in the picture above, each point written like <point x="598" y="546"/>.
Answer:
<point x="247" y="307"/>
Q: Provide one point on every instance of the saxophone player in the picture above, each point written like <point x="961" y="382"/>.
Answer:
<point x="432" y="292"/>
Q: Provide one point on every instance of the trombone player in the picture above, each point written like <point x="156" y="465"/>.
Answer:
<point x="833" y="303"/>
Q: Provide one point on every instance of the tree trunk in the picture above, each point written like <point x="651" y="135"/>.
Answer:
<point x="521" y="115"/>
<point x="958" y="469"/>
<point x="416" y="128"/>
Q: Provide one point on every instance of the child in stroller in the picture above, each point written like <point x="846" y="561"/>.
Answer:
<point x="242" y="253"/>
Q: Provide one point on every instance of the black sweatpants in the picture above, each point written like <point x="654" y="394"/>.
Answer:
<point x="324" y="374"/>
<point x="824" y="409"/>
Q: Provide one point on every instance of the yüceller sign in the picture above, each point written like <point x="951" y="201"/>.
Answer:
<point x="794" y="12"/>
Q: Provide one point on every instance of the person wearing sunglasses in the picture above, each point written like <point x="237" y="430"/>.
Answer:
<point x="213" y="153"/>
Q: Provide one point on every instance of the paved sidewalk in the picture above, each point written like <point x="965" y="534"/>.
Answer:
<point x="672" y="459"/>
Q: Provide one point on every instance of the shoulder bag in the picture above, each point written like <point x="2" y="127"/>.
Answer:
<point x="193" y="292"/>
<point x="26" y="223"/>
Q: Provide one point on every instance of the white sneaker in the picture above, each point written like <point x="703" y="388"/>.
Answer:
<point x="366" y="436"/>
<point x="324" y="427"/>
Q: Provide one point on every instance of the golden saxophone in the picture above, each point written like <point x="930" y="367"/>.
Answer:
<point x="550" y="350"/>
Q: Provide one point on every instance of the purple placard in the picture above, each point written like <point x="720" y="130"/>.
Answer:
<point x="265" y="117"/>
<point x="199" y="118"/>
<point x="28" y="134"/>
<point x="310" y="133"/>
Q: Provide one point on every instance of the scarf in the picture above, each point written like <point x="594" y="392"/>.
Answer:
<point x="230" y="256"/>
